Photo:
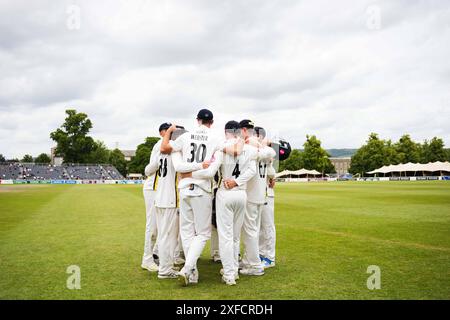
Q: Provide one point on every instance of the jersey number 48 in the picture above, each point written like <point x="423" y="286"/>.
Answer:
<point x="162" y="170"/>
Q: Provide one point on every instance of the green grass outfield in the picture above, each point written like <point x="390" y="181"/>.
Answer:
<point x="328" y="234"/>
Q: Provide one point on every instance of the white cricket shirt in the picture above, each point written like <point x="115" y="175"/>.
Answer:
<point x="256" y="187"/>
<point x="196" y="147"/>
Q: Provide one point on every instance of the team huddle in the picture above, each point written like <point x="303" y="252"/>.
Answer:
<point x="201" y="186"/>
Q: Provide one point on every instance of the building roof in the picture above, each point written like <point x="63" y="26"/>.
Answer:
<point x="128" y="153"/>
<point x="340" y="158"/>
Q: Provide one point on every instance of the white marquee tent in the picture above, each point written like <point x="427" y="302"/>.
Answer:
<point x="301" y="172"/>
<point x="414" y="167"/>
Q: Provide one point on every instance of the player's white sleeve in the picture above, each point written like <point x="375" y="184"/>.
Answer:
<point x="153" y="164"/>
<point x="183" y="166"/>
<point x="212" y="169"/>
<point x="151" y="168"/>
<point x="177" y="145"/>
<point x="248" y="173"/>
<point x="271" y="171"/>
<point x="266" y="153"/>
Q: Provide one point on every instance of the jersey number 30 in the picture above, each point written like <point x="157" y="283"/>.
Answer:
<point x="198" y="153"/>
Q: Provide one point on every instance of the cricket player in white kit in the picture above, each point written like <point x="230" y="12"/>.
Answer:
<point x="167" y="204"/>
<point x="195" y="194"/>
<point x="231" y="199"/>
<point x="167" y="220"/>
<point x="267" y="233"/>
<point x="256" y="198"/>
<point x="149" y="190"/>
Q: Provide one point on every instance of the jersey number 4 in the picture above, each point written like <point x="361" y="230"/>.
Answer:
<point x="198" y="153"/>
<point x="162" y="170"/>
<point x="236" y="171"/>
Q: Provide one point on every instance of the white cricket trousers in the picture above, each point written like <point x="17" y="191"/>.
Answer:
<point x="267" y="233"/>
<point x="195" y="226"/>
<point x="250" y="236"/>
<point x="150" y="227"/>
<point x="167" y="222"/>
<point x="214" y="240"/>
<point x="230" y="208"/>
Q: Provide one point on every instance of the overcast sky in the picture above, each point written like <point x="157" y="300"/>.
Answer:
<point x="336" y="69"/>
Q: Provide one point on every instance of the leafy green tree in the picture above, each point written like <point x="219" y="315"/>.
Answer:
<point x="407" y="150"/>
<point x="27" y="159"/>
<point x="315" y="157"/>
<point x="117" y="159"/>
<point x="447" y="151"/>
<point x="373" y="155"/>
<point x="390" y="153"/>
<point x="2" y="158"/>
<point x="294" y="162"/>
<point x="73" y="142"/>
<point x="42" y="158"/>
<point x="433" y="151"/>
<point x="138" y="163"/>
<point x="99" y="154"/>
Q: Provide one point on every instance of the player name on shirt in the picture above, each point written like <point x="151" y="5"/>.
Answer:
<point x="199" y="137"/>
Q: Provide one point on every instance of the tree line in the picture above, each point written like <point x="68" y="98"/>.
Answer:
<point x="74" y="145"/>
<point x="377" y="152"/>
<point x="42" y="158"/>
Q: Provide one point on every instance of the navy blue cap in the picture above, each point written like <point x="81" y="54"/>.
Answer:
<point x="232" y="125"/>
<point x="205" y="114"/>
<point x="164" y="126"/>
<point x="247" y="124"/>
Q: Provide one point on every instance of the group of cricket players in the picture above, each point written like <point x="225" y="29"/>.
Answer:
<point x="201" y="186"/>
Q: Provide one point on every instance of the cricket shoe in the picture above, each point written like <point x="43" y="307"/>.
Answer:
<point x="252" y="272"/>
<point x="183" y="277"/>
<point x="229" y="282"/>
<point x="171" y="275"/>
<point x="193" y="277"/>
<point x="216" y="258"/>
<point x="152" y="267"/>
<point x="236" y="276"/>
<point x="267" y="263"/>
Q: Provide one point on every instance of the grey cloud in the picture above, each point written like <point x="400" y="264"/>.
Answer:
<point x="295" y="67"/>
